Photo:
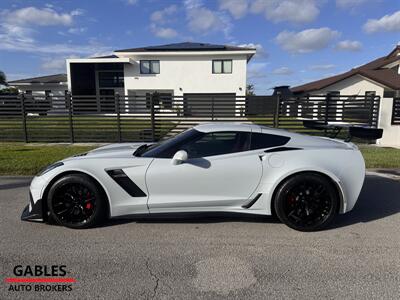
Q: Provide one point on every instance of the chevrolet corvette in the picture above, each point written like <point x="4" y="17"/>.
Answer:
<point x="218" y="167"/>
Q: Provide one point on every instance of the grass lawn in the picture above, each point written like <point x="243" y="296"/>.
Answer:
<point x="86" y="128"/>
<point x="28" y="159"/>
<point x="379" y="157"/>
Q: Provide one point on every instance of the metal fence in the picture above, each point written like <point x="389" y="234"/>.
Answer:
<point x="153" y="117"/>
<point x="396" y="111"/>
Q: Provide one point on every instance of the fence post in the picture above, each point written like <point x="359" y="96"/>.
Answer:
<point x="212" y="108"/>
<point x="68" y="99"/>
<point x="277" y="110"/>
<point x="23" y="112"/>
<point x="327" y="105"/>
<point x="153" y="127"/>
<point x="118" y="117"/>
<point x="371" y="110"/>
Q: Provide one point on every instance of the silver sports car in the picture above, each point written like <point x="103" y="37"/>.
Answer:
<point x="305" y="181"/>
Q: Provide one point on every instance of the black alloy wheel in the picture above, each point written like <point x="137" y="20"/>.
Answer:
<point x="75" y="201"/>
<point x="306" y="202"/>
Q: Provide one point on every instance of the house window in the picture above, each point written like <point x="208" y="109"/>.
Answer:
<point x="396" y="111"/>
<point x="370" y="94"/>
<point x="334" y="94"/>
<point x="388" y="94"/>
<point x="111" y="79"/>
<point x="223" y="66"/>
<point x="149" y="67"/>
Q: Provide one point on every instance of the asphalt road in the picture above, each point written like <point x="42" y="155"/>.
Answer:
<point x="212" y="256"/>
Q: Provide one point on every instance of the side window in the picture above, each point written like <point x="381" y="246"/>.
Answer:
<point x="149" y="67"/>
<point x="262" y="140"/>
<point x="218" y="143"/>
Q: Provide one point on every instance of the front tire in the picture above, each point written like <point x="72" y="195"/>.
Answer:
<point x="76" y="201"/>
<point x="306" y="202"/>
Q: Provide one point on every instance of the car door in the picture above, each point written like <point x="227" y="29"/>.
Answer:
<point x="219" y="172"/>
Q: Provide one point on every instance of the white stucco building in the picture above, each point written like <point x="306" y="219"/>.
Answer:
<point x="183" y="69"/>
<point x="380" y="77"/>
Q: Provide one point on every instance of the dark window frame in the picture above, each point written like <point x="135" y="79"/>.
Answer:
<point x="222" y="66"/>
<point x="118" y="83"/>
<point x="389" y="94"/>
<point x="150" y="66"/>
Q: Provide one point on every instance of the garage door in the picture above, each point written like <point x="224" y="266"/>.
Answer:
<point x="207" y="105"/>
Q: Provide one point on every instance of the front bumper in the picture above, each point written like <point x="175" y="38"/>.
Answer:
<point x="33" y="211"/>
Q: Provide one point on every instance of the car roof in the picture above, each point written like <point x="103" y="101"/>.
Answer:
<point x="296" y="139"/>
<point x="211" y="127"/>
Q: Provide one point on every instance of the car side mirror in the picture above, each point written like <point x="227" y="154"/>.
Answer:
<point x="180" y="157"/>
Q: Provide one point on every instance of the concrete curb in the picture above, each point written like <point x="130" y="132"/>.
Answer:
<point x="387" y="173"/>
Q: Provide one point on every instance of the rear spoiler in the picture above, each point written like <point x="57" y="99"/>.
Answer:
<point x="357" y="131"/>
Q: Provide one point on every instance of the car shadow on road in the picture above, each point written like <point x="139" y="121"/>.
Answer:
<point x="193" y="218"/>
<point x="379" y="198"/>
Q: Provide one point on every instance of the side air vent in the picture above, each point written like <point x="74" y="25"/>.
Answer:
<point x="126" y="183"/>
<point x="250" y="204"/>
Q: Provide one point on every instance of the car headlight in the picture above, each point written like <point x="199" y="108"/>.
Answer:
<point x="50" y="167"/>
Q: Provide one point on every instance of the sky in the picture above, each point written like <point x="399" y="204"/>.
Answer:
<point x="297" y="41"/>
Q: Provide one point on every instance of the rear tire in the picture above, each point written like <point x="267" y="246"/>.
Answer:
<point x="306" y="202"/>
<point x="76" y="201"/>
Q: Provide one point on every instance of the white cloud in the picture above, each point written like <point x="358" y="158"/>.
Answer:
<point x="163" y="32"/>
<point x="131" y="2"/>
<point x="77" y="30"/>
<point x="260" y="51"/>
<point x="203" y="20"/>
<point x="295" y="11"/>
<point x="163" y="16"/>
<point x="16" y="38"/>
<point x="346" y="4"/>
<point x="321" y="67"/>
<point x="389" y="23"/>
<point x="39" y="16"/>
<point x="56" y="64"/>
<point x="282" y="71"/>
<point x="348" y="45"/>
<point x="237" y="8"/>
<point x="18" y="30"/>
<point x="256" y="70"/>
<point x="159" y="18"/>
<point x="306" y="41"/>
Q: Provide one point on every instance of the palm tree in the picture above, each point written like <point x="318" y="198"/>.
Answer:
<point x="3" y="78"/>
<point x="250" y="90"/>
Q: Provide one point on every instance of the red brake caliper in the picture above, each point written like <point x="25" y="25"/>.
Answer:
<point x="291" y="199"/>
<point x="88" y="205"/>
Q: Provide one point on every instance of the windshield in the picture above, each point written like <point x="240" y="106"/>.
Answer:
<point x="167" y="148"/>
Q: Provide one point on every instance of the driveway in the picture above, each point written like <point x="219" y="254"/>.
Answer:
<point x="212" y="256"/>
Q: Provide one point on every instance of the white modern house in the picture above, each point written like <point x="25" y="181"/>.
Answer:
<point x="187" y="70"/>
<point x="380" y="77"/>
<point x="178" y="69"/>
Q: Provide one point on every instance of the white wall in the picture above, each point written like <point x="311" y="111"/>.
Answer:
<point x="359" y="85"/>
<point x="188" y="74"/>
